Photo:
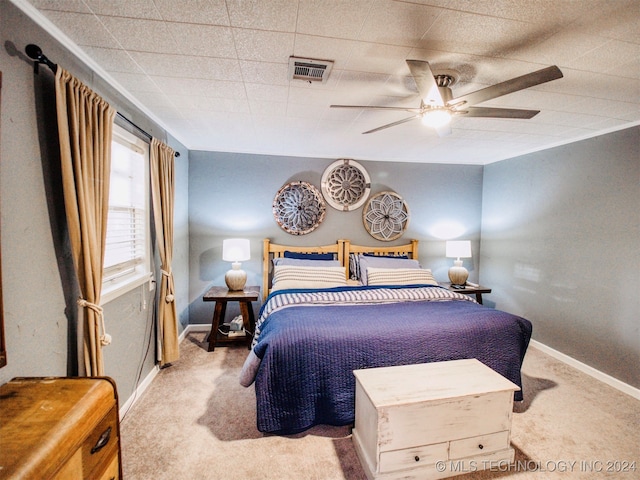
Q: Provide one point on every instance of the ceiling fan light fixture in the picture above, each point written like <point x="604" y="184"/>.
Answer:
<point x="436" y="118"/>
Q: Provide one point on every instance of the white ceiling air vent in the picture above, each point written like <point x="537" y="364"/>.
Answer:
<point x="309" y="69"/>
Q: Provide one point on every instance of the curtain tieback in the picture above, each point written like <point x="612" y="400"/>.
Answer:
<point x="169" y="297"/>
<point x="105" y="338"/>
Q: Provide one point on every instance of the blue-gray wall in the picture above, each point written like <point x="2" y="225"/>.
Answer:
<point x="232" y="195"/>
<point x="38" y="286"/>
<point x="561" y="246"/>
<point x="560" y="230"/>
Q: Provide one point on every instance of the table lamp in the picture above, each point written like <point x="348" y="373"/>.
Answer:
<point x="235" y="250"/>
<point x="458" y="249"/>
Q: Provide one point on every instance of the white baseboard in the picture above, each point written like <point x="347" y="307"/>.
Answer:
<point x="584" y="368"/>
<point x="197" y="327"/>
<point x="124" y="408"/>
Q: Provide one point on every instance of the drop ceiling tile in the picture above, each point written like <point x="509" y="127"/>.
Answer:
<point x="133" y="82"/>
<point x="377" y="58"/>
<point x="140" y="35"/>
<point x="265" y="72"/>
<point x="188" y="67"/>
<point x="200" y="87"/>
<point x="266" y="107"/>
<point x="322" y="48"/>
<point x="630" y="70"/>
<point x="398" y="23"/>
<point x="93" y="33"/>
<point x="154" y="99"/>
<point x="263" y="46"/>
<point x="305" y="94"/>
<point x="170" y="113"/>
<point x="559" y="49"/>
<point x="113" y="60"/>
<point x="609" y="108"/>
<point x="254" y="106"/>
<point x="206" y="12"/>
<point x="308" y="112"/>
<point x="342" y="19"/>
<point x="61" y="5"/>
<point x="274" y="15"/>
<point x="462" y="32"/>
<point x="531" y="11"/>
<point x="616" y="20"/>
<point x="222" y="104"/>
<point x="263" y="92"/>
<point x="203" y="40"/>
<point x="607" y="57"/>
<point x="125" y="8"/>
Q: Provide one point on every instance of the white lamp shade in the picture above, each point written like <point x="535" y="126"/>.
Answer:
<point x="458" y="248"/>
<point x="236" y="250"/>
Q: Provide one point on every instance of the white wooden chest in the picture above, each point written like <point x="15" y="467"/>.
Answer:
<point x="432" y="420"/>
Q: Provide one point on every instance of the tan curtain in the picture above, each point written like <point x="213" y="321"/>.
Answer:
<point x="85" y="124"/>
<point x="162" y="193"/>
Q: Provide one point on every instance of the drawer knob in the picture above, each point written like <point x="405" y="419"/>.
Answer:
<point x="416" y="458"/>
<point x="102" y="441"/>
<point x="480" y="446"/>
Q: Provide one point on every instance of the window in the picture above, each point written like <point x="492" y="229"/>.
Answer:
<point x="127" y="254"/>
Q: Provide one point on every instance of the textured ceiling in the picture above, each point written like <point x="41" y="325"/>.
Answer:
<point x="214" y="73"/>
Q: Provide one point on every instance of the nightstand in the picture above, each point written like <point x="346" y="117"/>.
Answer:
<point x="222" y="295"/>
<point x="474" y="289"/>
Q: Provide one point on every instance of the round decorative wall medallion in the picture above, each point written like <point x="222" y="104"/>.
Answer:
<point x="386" y="216"/>
<point x="299" y="208"/>
<point x="345" y="184"/>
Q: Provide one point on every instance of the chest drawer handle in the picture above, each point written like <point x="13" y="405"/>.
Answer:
<point x="416" y="458"/>
<point x="480" y="446"/>
<point x="102" y="441"/>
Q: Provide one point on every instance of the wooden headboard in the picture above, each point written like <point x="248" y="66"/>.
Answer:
<point x="409" y="249"/>
<point x="272" y="250"/>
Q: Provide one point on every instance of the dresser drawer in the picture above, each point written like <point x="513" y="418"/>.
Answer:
<point x="112" y="472"/>
<point x="100" y="446"/>
<point x="412" y="457"/>
<point x="479" y="445"/>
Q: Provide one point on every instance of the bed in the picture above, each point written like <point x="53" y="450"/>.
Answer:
<point x="310" y="335"/>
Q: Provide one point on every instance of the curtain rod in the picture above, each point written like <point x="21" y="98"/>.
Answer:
<point x="35" y="52"/>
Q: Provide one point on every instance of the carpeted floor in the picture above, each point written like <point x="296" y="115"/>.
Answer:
<point x="195" y="421"/>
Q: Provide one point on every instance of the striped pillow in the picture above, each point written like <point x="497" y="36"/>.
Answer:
<point x="400" y="276"/>
<point x="293" y="276"/>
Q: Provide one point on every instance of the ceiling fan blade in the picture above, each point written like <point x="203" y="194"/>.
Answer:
<point x="509" y="86"/>
<point x="392" y="124"/>
<point x="426" y="83"/>
<point x="404" y="109"/>
<point x="497" y="112"/>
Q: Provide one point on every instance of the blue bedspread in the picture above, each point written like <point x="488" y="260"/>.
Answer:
<point x="307" y="353"/>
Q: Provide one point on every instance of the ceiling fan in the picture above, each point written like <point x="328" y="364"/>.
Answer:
<point x="438" y="105"/>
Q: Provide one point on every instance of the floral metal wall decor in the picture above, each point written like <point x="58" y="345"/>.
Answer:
<point x="345" y="184"/>
<point x="299" y="208"/>
<point x="386" y="216"/>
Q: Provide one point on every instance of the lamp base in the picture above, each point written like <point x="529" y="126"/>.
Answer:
<point x="235" y="278"/>
<point x="458" y="274"/>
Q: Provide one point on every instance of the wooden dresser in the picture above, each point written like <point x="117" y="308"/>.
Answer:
<point x="432" y="420"/>
<point x="59" y="428"/>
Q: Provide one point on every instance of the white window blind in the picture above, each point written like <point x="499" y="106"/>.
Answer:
<point x="126" y="262"/>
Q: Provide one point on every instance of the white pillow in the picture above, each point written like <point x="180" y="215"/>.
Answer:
<point x="293" y="276"/>
<point x="367" y="261"/>
<point x="400" y="276"/>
